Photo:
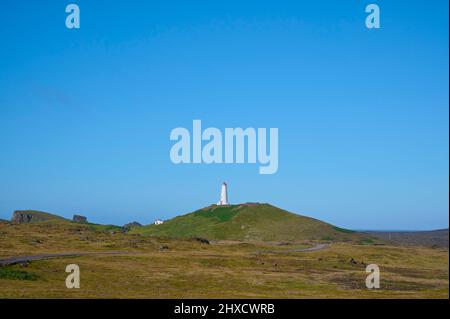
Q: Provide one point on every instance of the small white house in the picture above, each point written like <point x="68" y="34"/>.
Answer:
<point x="159" y="222"/>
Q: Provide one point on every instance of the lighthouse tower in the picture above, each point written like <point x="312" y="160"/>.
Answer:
<point x="223" y="195"/>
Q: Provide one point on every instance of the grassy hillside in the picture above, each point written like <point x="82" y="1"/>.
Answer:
<point x="250" y="222"/>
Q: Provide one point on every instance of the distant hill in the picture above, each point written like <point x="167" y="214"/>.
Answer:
<point x="31" y="216"/>
<point x="262" y="222"/>
<point x="35" y="216"/>
<point x="438" y="238"/>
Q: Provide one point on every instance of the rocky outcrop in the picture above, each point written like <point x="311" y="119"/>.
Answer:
<point x="28" y="216"/>
<point x="79" y="219"/>
<point x="131" y="225"/>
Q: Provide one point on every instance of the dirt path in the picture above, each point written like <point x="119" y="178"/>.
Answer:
<point x="316" y="247"/>
<point x="26" y="259"/>
<point x="313" y="248"/>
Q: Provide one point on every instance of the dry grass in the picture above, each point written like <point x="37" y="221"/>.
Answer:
<point x="189" y="269"/>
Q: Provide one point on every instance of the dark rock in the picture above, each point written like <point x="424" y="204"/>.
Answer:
<point x="132" y="225"/>
<point x="355" y="262"/>
<point x="79" y="219"/>
<point x="27" y="216"/>
<point x="202" y="240"/>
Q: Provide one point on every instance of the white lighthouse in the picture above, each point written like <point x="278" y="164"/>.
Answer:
<point x="223" y="195"/>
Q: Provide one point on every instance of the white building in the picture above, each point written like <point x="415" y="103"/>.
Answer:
<point x="158" y="222"/>
<point x="223" y="195"/>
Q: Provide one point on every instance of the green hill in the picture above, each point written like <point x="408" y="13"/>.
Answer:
<point x="249" y="222"/>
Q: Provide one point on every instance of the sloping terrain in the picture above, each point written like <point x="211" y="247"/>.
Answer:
<point x="250" y="222"/>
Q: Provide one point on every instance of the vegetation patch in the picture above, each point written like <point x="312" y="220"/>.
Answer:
<point x="343" y="230"/>
<point x="222" y="214"/>
<point x="366" y="241"/>
<point x="15" y="274"/>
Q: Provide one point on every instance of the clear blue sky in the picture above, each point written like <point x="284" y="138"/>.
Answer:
<point x="85" y="115"/>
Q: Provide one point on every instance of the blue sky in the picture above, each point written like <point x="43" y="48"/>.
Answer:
<point x="85" y="115"/>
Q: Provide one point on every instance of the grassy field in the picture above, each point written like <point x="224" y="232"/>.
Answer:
<point x="183" y="268"/>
